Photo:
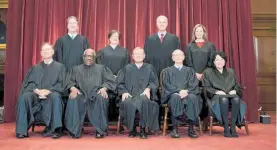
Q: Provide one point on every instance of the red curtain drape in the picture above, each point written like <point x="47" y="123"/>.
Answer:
<point x="32" y="22"/>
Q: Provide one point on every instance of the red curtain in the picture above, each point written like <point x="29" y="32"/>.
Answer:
<point x="32" y="22"/>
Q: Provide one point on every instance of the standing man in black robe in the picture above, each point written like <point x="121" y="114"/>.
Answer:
<point x="69" y="48"/>
<point x="159" y="46"/>
<point x="136" y="82"/>
<point x="40" y="96"/>
<point x="181" y="93"/>
<point x="88" y="84"/>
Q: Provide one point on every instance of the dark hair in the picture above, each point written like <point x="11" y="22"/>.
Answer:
<point x="222" y="55"/>
<point x="113" y="32"/>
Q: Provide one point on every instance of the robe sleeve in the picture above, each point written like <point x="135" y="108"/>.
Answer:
<point x="153" y="80"/>
<point x="146" y="49"/>
<point x="108" y="79"/>
<point x="212" y="51"/>
<point x="99" y="57"/>
<point x="58" y="48"/>
<point x="237" y="86"/>
<point x="188" y="58"/>
<point x="207" y="83"/>
<point x="27" y="84"/>
<point x="193" y="83"/>
<point x="70" y="79"/>
<point x="167" y="87"/>
<point x="120" y="80"/>
<point x="86" y="44"/>
<point x="58" y="86"/>
<point x="128" y="60"/>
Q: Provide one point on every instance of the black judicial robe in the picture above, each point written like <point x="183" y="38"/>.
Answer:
<point x="114" y="59"/>
<point x="199" y="58"/>
<point x="160" y="54"/>
<point x="213" y="81"/>
<point x="175" y="80"/>
<point x="134" y="81"/>
<point x="88" y="79"/>
<point x="31" y="108"/>
<point x="70" y="51"/>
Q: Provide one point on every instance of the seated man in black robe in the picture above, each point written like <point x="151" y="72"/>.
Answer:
<point x="136" y="82"/>
<point x="88" y="84"/>
<point x="181" y="93"/>
<point x="40" y="96"/>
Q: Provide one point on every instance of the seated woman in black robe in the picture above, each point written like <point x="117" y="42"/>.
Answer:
<point x="40" y="96"/>
<point x="222" y="90"/>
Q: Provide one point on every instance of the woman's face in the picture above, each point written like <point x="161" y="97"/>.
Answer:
<point x="114" y="39"/>
<point x="219" y="62"/>
<point x="199" y="32"/>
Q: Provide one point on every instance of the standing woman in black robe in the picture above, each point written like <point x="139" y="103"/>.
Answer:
<point x="113" y="56"/>
<point x="199" y="51"/>
<point x="222" y="90"/>
<point x="69" y="48"/>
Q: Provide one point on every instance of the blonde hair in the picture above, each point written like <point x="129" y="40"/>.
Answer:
<point x="205" y="35"/>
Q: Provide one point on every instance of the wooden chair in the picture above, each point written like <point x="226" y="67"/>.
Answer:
<point x="211" y="119"/>
<point x="167" y="110"/>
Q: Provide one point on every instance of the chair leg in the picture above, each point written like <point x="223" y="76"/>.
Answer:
<point x="33" y="128"/>
<point x="246" y="126"/>
<point x="211" y="125"/>
<point x="118" y="125"/>
<point x="205" y="124"/>
<point x="200" y="125"/>
<point x="165" y="121"/>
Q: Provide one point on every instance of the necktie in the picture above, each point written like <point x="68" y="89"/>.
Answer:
<point x="162" y="37"/>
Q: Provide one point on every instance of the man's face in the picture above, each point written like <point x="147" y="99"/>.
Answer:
<point x="46" y="51"/>
<point x="178" y="57"/>
<point x="89" y="58"/>
<point x="162" y="23"/>
<point x="72" y="25"/>
<point x="138" y="55"/>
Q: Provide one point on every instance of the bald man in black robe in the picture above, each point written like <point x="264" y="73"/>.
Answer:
<point x="40" y="96"/>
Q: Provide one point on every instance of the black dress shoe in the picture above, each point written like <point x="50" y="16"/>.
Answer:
<point x="56" y="135"/>
<point x="73" y="136"/>
<point x="233" y="133"/>
<point x="98" y="135"/>
<point x="21" y="136"/>
<point x="174" y="133"/>
<point x="191" y="133"/>
<point x="227" y="133"/>
<point x="132" y="134"/>
<point x="142" y="134"/>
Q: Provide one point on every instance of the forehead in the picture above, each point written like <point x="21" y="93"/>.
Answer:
<point x="115" y="34"/>
<point x="46" y="46"/>
<point x="72" y="20"/>
<point x="177" y="53"/>
<point x="161" y="19"/>
<point x="138" y="51"/>
<point x="199" y="28"/>
<point x="218" y="57"/>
